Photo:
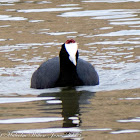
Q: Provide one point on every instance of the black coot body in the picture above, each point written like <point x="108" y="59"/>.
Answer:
<point x="65" y="70"/>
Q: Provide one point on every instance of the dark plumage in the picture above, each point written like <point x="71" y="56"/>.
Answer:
<point x="65" y="70"/>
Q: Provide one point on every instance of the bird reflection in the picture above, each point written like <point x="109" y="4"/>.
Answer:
<point x="70" y="108"/>
<point x="70" y="102"/>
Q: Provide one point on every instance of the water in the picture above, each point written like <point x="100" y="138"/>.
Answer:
<point x="108" y="34"/>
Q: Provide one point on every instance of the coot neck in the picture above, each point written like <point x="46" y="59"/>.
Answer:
<point x="67" y="68"/>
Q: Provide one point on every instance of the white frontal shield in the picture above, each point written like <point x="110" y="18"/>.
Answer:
<point x="72" y="49"/>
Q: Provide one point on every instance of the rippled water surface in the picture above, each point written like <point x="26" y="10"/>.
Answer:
<point x="108" y="33"/>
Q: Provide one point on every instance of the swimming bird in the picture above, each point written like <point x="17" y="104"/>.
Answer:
<point x="67" y="70"/>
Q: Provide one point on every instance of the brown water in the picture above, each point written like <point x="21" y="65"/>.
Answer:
<point x="108" y="33"/>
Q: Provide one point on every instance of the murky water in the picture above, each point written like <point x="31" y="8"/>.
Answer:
<point x="108" y="33"/>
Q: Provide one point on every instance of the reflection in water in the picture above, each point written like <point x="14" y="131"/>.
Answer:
<point x="70" y="102"/>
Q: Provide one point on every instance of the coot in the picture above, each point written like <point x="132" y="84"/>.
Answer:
<point x="65" y="70"/>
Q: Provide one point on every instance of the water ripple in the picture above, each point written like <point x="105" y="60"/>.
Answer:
<point x="9" y="1"/>
<point x="59" y="130"/>
<point x="11" y="18"/>
<point x="24" y="99"/>
<point x="125" y="131"/>
<point x="111" y="1"/>
<point x="57" y="33"/>
<point x="113" y="43"/>
<point x="103" y="14"/>
<point x="137" y="119"/>
<point x="121" y="33"/>
<point x="30" y="120"/>
<point x="48" y="10"/>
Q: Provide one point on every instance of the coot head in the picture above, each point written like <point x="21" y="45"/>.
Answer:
<point x="69" y="52"/>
